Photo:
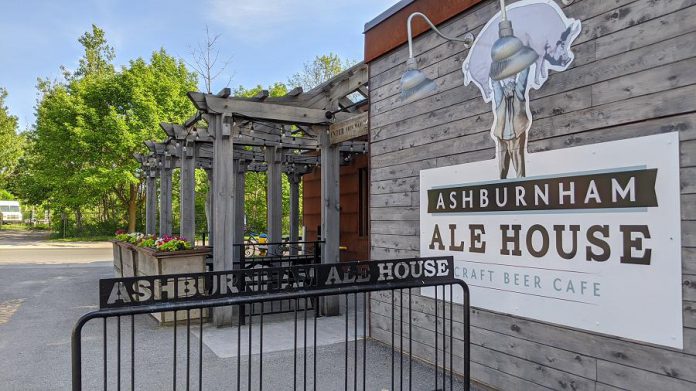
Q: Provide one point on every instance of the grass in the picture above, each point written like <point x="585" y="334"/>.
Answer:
<point x="22" y="227"/>
<point x="14" y="227"/>
<point x="97" y="238"/>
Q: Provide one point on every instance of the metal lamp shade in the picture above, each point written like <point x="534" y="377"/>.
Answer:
<point x="509" y="55"/>
<point x="415" y="85"/>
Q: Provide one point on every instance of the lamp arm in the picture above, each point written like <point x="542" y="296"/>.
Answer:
<point x="503" y="10"/>
<point x="468" y="38"/>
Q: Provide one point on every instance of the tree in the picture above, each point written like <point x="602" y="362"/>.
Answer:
<point x="151" y="93"/>
<point x="276" y="89"/>
<point x="89" y="126"/>
<point x="206" y="60"/>
<point x="11" y="143"/>
<point x="98" y="55"/>
<point x="319" y="70"/>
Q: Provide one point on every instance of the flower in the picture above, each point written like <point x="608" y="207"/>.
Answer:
<point x="172" y="243"/>
<point x="163" y="243"/>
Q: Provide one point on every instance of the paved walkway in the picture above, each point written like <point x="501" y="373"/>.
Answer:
<point x="39" y="304"/>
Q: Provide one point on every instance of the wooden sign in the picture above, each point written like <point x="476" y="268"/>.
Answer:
<point x="348" y="129"/>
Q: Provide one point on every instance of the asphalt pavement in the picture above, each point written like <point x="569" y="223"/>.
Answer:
<point x="33" y="247"/>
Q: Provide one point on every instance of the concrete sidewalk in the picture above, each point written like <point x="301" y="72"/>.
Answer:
<point x="43" y="303"/>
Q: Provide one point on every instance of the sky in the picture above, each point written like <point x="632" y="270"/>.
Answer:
<point x="266" y="40"/>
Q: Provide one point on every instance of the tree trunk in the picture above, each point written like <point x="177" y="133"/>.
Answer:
<point x="78" y="220"/>
<point x="132" y="207"/>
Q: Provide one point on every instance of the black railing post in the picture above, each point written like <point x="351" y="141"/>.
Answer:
<point x="77" y="359"/>
<point x="317" y="252"/>
<point x="242" y="282"/>
<point x="316" y="259"/>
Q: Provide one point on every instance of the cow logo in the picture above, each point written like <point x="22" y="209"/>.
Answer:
<point x="512" y="55"/>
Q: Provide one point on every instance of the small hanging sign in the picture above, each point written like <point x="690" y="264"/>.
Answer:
<point x="348" y="129"/>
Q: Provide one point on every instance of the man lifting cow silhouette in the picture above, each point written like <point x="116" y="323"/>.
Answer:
<point x="507" y="63"/>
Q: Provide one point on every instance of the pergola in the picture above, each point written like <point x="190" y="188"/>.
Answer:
<point x="290" y="134"/>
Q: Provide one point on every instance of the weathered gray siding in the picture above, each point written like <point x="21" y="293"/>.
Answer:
<point x="634" y="75"/>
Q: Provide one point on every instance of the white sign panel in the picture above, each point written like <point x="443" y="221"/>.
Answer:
<point x="589" y="239"/>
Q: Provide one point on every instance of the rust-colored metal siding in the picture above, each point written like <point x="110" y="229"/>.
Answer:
<point x="357" y="246"/>
<point x="391" y="33"/>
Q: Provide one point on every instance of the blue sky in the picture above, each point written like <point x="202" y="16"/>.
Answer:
<point x="267" y="40"/>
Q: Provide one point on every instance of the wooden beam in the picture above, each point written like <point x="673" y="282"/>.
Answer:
<point x="204" y="150"/>
<point x="265" y="111"/>
<point x="331" y="210"/>
<point x="257" y="167"/>
<point x="151" y="145"/>
<point x="301" y="159"/>
<point x="179" y="132"/>
<point x="327" y="95"/>
<point x="294" y="179"/>
<point x="198" y="100"/>
<point x="209" y="210"/>
<point x="354" y="146"/>
<point x="346" y="105"/>
<point x="224" y="223"/>
<point x="275" y="197"/>
<point x="165" y="221"/>
<point x="261" y="95"/>
<point x="362" y="90"/>
<point x="294" y="92"/>
<point x="204" y="164"/>
<point x="151" y="202"/>
<point x="187" y="195"/>
<point x="278" y="142"/>
<point x="240" y="169"/>
<point x="168" y="129"/>
<point x="201" y="135"/>
<point x="192" y="121"/>
<point x="224" y="93"/>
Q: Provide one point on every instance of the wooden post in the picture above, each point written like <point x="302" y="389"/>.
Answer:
<point x="294" y="179"/>
<point x="151" y="202"/>
<point x="275" y="197"/>
<point x="165" y="218"/>
<point x="223" y="204"/>
<point x="330" y="212"/>
<point x="239" y="188"/>
<point x="187" y="211"/>
<point x="209" y="207"/>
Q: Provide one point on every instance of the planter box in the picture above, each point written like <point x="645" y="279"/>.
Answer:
<point x="125" y="259"/>
<point x="118" y="265"/>
<point x="150" y="262"/>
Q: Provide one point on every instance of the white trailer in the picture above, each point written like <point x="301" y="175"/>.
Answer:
<point x="10" y="212"/>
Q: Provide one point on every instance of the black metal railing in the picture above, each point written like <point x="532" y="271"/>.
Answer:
<point x="279" y="254"/>
<point x="355" y="361"/>
<point x="282" y="254"/>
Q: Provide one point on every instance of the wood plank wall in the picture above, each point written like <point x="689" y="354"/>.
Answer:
<point x="634" y="75"/>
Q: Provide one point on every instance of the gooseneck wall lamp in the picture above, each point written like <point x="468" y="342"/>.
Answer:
<point x="508" y="53"/>
<point x="414" y="83"/>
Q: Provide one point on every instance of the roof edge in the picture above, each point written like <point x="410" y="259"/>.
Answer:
<point x="386" y="14"/>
